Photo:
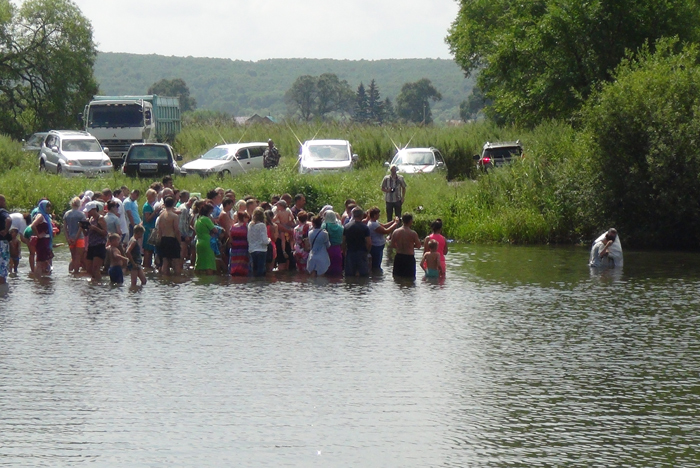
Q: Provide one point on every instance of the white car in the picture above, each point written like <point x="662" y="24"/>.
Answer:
<point x="228" y="159"/>
<point x="73" y="153"/>
<point x="418" y="161"/>
<point x="325" y="156"/>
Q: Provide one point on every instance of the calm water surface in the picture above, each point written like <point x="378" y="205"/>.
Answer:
<point x="522" y="357"/>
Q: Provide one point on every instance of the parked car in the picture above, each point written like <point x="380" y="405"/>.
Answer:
<point x="73" y="153"/>
<point x="497" y="154"/>
<point x="228" y="159"/>
<point x="325" y="156"/>
<point x="418" y="161"/>
<point x="33" y="143"/>
<point x="151" y="159"/>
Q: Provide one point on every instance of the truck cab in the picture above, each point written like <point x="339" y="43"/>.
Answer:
<point x="120" y="121"/>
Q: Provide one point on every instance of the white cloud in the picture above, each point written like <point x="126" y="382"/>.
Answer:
<point x="262" y="29"/>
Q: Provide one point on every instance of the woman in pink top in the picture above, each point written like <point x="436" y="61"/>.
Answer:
<point x="436" y="228"/>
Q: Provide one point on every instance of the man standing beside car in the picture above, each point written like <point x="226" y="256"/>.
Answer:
<point x="271" y="156"/>
<point x="394" y="188"/>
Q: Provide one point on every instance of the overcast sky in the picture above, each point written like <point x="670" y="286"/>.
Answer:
<point x="263" y="29"/>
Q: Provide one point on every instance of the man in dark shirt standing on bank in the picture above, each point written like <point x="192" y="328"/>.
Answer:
<point x="271" y="156"/>
<point x="356" y="245"/>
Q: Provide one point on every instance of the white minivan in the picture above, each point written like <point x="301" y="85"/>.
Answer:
<point x="223" y="160"/>
<point x="325" y="156"/>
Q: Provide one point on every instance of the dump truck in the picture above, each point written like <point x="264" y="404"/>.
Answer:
<point x="119" y="121"/>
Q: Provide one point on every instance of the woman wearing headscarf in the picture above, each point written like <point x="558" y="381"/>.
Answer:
<point x="319" y="261"/>
<point x="43" y="230"/>
<point x="335" y="235"/>
<point x="607" y="251"/>
<point x="87" y="198"/>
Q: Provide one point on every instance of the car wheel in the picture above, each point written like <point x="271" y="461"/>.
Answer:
<point x="224" y="173"/>
<point x="59" y="169"/>
<point x="42" y="166"/>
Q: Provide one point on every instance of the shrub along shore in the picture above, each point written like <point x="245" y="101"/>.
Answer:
<point x="524" y="203"/>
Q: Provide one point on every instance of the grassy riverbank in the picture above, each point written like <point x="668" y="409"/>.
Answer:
<point x="541" y="199"/>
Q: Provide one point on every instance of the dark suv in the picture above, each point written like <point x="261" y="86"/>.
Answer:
<point x="497" y="154"/>
<point x="151" y="159"/>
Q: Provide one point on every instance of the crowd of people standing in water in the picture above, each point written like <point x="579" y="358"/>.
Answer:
<point x="111" y="232"/>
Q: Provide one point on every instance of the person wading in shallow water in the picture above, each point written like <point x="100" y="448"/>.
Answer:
<point x="405" y="240"/>
<point x="5" y="224"/>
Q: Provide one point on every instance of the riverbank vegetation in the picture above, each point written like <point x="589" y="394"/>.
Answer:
<point x="631" y="161"/>
<point x="610" y="133"/>
<point x="527" y="202"/>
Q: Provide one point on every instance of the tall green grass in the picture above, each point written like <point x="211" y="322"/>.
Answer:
<point x="373" y="144"/>
<point x="546" y="197"/>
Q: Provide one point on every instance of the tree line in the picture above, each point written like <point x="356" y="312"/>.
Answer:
<point x="326" y="96"/>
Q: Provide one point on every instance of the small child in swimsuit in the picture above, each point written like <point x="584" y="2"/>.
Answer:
<point x="431" y="261"/>
<point x="133" y="253"/>
<point x="116" y="265"/>
<point x="15" y="249"/>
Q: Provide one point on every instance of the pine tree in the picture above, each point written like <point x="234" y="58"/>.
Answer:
<point x="361" y="114"/>
<point x="388" y="111"/>
<point x="375" y="105"/>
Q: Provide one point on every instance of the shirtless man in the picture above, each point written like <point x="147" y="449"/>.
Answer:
<point x="405" y="241"/>
<point x="169" y="227"/>
<point x="284" y="219"/>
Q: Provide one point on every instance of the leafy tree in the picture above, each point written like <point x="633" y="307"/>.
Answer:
<point x="643" y="128"/>
<point x="413" y="102"/>
<point x="47" y="55"/>
<point x="333" y="95"/>
<point x="541" y="59"/>
<point x="361" y="114"/>
<point x="473" y="105"/>
<point x="316" y="97"/>
<point x="374" y="103"/>
<point x="301" y="97"/>
<point x="175" y="87"/>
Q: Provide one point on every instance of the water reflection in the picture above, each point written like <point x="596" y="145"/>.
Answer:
<point x="520" y="357"/>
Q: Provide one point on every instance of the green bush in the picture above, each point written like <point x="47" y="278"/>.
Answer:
<point x="11" y="154"/>
<point x="643" y="130"/>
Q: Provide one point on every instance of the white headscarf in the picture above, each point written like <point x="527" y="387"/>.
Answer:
<point x="615" y="249"/>
<point x="87" y="198"/>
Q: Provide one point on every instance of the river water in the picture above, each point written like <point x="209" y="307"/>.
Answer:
<point x="521" y="357"/>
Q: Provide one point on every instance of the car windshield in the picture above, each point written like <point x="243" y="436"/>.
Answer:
<point x="216" y="153"/>
<point x="148" y="153"/>
<point x="328" y="153"/>
<point x="505" y="152"/>
<point x="414" y="158"/>
<point x="86" y="146"/>
<point x="129" y="115"/>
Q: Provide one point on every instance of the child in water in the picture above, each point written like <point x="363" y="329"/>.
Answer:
<point x="431" y="261"/>
<point x="133" y="253"/>
<point x="436" y="234"/>
<point x="15" y="250"/>
<point x="116" y="265"/>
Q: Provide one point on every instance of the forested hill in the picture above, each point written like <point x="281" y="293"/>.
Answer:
<point x="244" y="88"/>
